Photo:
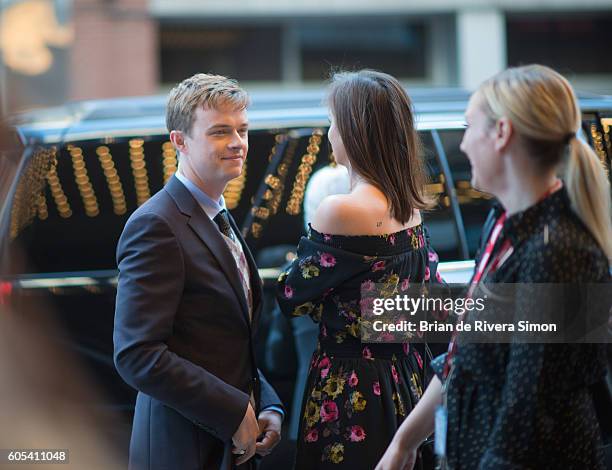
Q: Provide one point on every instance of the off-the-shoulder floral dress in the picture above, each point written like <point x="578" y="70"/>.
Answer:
<point x="357" y="394"/>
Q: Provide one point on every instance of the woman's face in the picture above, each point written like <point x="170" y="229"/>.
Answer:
<point x="479" y="145"/>
<point x="336" y="142"/>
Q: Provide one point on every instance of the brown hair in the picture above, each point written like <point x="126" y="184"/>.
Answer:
<point x="543" y="109"/>
<point x="375" y="120"/>
<point x="210" y="91"/>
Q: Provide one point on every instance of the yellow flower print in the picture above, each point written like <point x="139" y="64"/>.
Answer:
<point x="309" y="271"/>
<point x="353" y="329"/>
<point x="303" y="309"/>
<point x="282" y="277"/>
<point x="358" y="401"/>
<point x="399" y="405"/>
<point x="336" y="453"/>
<point x="389" y="288"/>
<point x="334" y="386"/>
<point x="311" y="413"/>
<point x="340" y="337"/>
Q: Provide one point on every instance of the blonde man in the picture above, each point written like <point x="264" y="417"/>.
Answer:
<point x="189" y="298"/>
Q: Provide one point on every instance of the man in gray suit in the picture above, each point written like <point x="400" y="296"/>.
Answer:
<point x="189" y="297"/>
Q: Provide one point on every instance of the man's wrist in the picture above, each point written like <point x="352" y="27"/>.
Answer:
<point x="276" y="409"/>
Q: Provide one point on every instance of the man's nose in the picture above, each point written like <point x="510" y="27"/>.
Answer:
<point x="237" y="140"/>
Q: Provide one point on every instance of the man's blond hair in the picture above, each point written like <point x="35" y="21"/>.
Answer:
<point x="205" y="90"/>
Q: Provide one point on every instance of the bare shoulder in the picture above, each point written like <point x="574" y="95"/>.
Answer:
<point x="344" y="214"/>
<point x="357" y="214"/>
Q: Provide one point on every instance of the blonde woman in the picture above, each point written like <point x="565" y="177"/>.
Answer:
<point x="518" y="406"/>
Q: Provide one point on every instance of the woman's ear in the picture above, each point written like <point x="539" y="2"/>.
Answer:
<point x="503" y="133"/>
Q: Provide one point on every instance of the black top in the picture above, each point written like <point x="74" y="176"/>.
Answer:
<point x="530" y="405"/>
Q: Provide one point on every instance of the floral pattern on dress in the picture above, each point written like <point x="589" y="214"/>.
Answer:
<point x="357" y="392"/>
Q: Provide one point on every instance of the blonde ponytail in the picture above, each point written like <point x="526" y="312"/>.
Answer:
<point x="544" y="110"/>
<point x="589" y="190"/>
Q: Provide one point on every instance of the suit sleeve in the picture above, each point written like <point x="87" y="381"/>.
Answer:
<point x="269" y="397"/>
<point x="151" y="282"/>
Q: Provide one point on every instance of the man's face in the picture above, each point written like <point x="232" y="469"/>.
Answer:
<point x="217" y="146"/>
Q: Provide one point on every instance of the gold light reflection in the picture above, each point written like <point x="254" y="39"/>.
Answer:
<point x="27" y="31"/>
<point x="606" y="123"/>
<point x="139" y="170"/>
<point x="303" y="173"/>
<point x="30" y="190"/>
<point x="233" y="190"/>
<point x="169" y="161"/>
<point x="112" y="179"/>
<point x="57" y="192"/>
<point x="90" y="202"/>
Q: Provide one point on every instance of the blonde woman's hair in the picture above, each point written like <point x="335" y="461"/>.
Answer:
<point x="201" y="90"/>
<point x="543" y="109"/>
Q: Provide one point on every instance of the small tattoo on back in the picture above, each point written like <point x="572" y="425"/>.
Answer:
<point x="379" y="224"/>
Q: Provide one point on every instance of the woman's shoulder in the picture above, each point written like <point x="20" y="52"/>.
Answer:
<point x="357" y="214"/>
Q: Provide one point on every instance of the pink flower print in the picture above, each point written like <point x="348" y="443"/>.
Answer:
<point x="353" y="380"/>
<point x="438" y="276"/>
<point x="376" y="388"/>
<point x="329" y="411"/>
<point x="315" y="362"/>
<point x="366" y="353"/>
<point x="419" y="359"/>
<point x="312" y="435"/>
<point x="421" y="240"/>
<point x="288" y="292"/>
<point x="378" y="266"/>
<point x="327" y="260"/>
<point x="427" y="273"/>
<point x="326" y="237"/>
<point x="392" y="239"/>
<point x="405" y="284"/>
<point x="367" y="286"/>
<point x="367" y="306"/>
<point x="406" y="347"/>
<point x="324" y="365"/>
<point x="356" y="433"/>
<point x="386" y="337"/>
<point x="394" y="374"/>
<point x="433" y="257"/>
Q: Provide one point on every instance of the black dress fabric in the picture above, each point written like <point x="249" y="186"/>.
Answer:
<point x="529" y="406"/>
<point x="357" y="394"/>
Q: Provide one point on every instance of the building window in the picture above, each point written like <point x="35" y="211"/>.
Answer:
<point x="573" y="44"/>
<point x="243" y="53"/>
<point x="396" y="47"/>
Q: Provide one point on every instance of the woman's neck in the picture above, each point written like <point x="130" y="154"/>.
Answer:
<point x="525" y="189"/>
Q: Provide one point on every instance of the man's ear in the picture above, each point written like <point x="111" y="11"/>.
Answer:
<point x="503" y="133"/>
<point x="178" y="140"/>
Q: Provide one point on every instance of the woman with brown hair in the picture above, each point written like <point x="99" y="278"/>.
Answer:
<point x="357" y="394"/>
<point x="525" y="404"/>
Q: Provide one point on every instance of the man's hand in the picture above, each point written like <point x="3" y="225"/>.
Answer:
<point x="397" y="458"/>
<point x="245" y="437"/>
<point x="270" y="427"/>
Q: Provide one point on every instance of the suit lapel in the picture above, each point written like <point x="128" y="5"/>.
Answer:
<point x="208" y="232"/>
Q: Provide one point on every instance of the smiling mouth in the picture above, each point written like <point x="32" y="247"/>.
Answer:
<point x="236" y="157"/>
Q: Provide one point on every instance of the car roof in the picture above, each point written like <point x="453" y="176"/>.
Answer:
<point x="125" y="117"/>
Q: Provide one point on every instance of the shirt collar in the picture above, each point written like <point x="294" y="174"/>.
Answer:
<point x="208" y="205"/>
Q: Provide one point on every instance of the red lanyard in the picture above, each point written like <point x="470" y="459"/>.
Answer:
<point x="504" y="252"/>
